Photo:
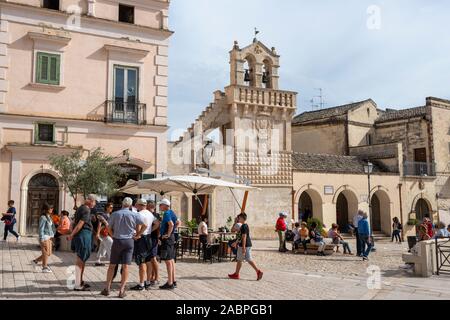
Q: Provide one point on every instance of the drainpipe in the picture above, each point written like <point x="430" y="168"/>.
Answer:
<point x="401" y="210"/>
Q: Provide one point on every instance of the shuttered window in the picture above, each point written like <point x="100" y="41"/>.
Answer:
<point x="146" y="176"/>
<point x="48" y="68"/>
<point x="44" y="133"/>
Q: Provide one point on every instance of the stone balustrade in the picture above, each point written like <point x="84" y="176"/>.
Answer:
<point x="261" y="97"/>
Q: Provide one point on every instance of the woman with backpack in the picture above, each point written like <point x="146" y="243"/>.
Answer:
<point x="9" y="218"/>
<point x="46" y="233"/>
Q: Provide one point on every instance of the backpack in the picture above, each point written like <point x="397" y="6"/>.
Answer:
<point x="289" y="235"/>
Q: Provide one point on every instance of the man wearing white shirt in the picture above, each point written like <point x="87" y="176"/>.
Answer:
<point x="143" y="245"/>
<point x="356" y="220"/>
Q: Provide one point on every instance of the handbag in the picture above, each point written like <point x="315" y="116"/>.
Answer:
<point x="289" y="235"/>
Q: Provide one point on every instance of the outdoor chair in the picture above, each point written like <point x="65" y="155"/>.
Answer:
<point x="211" y="252"/>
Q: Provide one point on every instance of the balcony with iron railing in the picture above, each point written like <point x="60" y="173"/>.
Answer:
<point x="419" y="169"/>
<point x="125" y="112"/>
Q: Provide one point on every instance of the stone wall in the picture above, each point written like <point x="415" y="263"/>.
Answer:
<point x="263" y="207"/>
<point x="413" y="134"/>
<point x="322" y="139"/>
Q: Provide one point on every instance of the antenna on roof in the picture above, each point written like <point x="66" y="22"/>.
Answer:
<point x="321" y="103"/>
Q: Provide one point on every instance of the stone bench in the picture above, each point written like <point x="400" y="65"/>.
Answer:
<point x="423" y="257"/>
<point x="311" y="249"/>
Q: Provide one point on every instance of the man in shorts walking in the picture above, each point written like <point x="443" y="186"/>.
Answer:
<point x="168" y="243"/>
<point x="125" y="226"/>
<point x="244" y="249"/>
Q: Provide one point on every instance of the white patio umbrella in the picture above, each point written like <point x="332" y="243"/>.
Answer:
<point x="133" y="187"/>
<point x="194" y="184"/>
<point x="190" y="184"/>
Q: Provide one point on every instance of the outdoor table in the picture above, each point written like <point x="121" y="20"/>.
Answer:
<point x="190" y="243"/>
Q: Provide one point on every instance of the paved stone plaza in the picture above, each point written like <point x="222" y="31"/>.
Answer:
<point x="286" y="277"/>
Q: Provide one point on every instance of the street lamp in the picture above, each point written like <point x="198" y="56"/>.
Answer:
<point x="368" y="169"/>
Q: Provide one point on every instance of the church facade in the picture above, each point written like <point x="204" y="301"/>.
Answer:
<point x="313" y="164"/>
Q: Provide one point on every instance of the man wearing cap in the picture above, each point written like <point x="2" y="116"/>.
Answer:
<point x="143" y="246"/>
<point x="280" y="229"/>
<point x="126" y="227"/>
<point x="167" y="230"/>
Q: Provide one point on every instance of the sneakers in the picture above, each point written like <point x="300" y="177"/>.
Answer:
<point x="46" y="270"/>
<point x="174" y="284"/>
<point x="84" y="287"/>
<point x="259" y="275"/>
<point x="137" y="288"/>
<point x="365" y="258"/>
<point x="18" y="239"/>
<point x="167" y="287"/>
<point x="233" y="276"/>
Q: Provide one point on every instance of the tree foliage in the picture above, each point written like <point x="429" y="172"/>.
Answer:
<point x="82" y="176"/>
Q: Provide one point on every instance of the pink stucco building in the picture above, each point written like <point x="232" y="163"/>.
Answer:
<point x="79" y="74"/>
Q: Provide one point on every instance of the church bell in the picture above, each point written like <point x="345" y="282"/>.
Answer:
<point x="247" y="76"/>
<point x="265" y="78"/>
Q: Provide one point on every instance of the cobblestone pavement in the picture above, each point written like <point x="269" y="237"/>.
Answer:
<point x="286" y="276"/>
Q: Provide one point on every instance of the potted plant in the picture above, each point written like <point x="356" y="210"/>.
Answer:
<point x="192" y="226"/>
<point x="413" y="222"/>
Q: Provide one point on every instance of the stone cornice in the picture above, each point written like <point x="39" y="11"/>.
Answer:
<point x="135" y="51"/>
<point x="58" y="38"/>
<point x="156" y="128"/>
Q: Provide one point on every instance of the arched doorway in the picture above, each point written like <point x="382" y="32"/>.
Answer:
<point x="305" y="207"/>
<point x="422" y="209"/>
<point x="376" y="213"/>
<point x="342" y="211"/>
<point x="42" y="188"/>
<point x="309" y="205"/>
<point x="381" y="211"/>
<point x="346" y="208"/>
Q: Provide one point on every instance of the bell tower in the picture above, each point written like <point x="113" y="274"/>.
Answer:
<point x="253" y="118"/>
<point x="254" y="66"/>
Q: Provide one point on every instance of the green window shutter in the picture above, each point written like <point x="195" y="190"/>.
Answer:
<point x="146" y="176"/>
<point x="48" y="68"/>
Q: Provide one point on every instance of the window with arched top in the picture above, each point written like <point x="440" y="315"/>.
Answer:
<point x="267" y="74"/>
<point x="249" y="69"/>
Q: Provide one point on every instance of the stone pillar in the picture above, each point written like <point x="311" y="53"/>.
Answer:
<point x="162" y="84"/>
<point x="4" y="64"/>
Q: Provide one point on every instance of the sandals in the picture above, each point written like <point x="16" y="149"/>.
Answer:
<point x="122" y="294"/>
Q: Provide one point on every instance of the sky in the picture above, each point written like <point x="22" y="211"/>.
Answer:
<point x="396" y="52"/>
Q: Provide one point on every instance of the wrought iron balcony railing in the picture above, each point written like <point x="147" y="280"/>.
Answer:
<point x="420" y="169"/>
<point x="125" y="112"/>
